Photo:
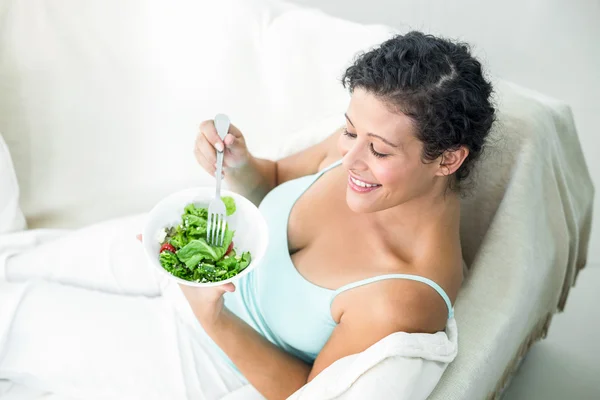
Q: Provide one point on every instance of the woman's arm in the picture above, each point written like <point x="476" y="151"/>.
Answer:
<point x="273" y="372"/>
<point x="257" y="177"/>
<point x="382" y="309"/>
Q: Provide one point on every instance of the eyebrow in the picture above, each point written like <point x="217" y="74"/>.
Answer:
<point x="373" y="135"/>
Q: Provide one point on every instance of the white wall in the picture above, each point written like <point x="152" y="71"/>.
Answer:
<point x="551" y="46"/>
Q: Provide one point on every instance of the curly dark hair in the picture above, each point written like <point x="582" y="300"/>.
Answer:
<point x="437" y="83"/>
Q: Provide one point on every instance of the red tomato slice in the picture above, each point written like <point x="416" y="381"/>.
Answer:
<point x="167" y="246"/>
<point x="229" y="248"/>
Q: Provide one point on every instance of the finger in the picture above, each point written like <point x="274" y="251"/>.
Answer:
<point x="207" y="128"/>
<point x="139" y="237"/>
<point x="206" y="165"/>
<point x="185" y="289"/>
<point x="206" y="149"/>
<point x="228" y="287"/>
<point x="234" y="149"/>
<point x="233" y="130"/>
<point x="210" y="168"/>
<point x="229" y="140"/>
<point x="231" y="148"/>
<point x="234" y="144"/>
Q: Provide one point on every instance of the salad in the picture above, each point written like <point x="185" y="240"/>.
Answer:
<point x="185" y="253"/>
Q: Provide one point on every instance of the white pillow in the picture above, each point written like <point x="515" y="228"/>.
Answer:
<point x="310" y="134"/>
<point x="101" y="101"/>
<point x="11" y="217"/>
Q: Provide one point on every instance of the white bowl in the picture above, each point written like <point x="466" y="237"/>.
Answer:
<point x="251" y="232"/>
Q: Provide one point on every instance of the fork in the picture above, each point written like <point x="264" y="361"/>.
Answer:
<point x="217" y="223"/>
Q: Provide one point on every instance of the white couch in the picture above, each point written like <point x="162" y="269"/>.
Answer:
<point x="99" y="104"/>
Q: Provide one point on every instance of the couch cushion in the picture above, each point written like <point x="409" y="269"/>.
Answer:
<point x="101" y="101"/>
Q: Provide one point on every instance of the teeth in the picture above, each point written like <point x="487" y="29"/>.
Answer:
<point x="361" y="183"/>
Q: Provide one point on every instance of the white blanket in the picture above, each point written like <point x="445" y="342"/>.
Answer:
<point x="414" y="362"/>
<point x="82" y="315"/>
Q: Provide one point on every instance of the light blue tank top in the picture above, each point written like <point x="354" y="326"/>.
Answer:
<point x="281" y="304"/>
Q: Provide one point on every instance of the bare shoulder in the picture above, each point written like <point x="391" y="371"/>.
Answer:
<point x="379" y="309"/>
<point x="405" y="305"/>
<point x="308" y="161"/>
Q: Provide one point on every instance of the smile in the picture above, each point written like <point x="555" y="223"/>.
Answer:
<point x="360" y="186"/>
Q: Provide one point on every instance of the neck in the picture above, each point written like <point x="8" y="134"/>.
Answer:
<point x="418" y="216"/>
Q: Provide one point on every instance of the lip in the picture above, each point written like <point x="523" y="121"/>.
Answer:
<point x="362" y="180"/>
<point x="360" y="189"/>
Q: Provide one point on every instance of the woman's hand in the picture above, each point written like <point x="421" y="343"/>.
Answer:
<point x="207" y="303"/>
<point x="208" y="142"/>
<point x="275" y="373"/>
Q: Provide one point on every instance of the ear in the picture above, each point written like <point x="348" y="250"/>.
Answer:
<point x="451" y="160"/>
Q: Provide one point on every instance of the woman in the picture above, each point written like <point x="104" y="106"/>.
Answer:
<point x="364" y="243"/>
<point x="364" y="225"/>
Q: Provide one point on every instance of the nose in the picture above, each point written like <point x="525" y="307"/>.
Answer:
<point x="354" y="157"/>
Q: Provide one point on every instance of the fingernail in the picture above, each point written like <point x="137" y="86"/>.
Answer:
<point x="219" y="146"/>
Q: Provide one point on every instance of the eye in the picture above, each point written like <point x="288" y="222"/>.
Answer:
<point x="375" y="153"/>
<point x="349" y="134"/>
<point x="371" y="148"/>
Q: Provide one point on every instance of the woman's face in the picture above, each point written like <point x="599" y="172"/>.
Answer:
<point x="382" y="156"/>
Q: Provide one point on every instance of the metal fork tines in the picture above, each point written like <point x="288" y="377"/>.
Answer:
<point x="216" y="226"/>
<point x="217" y="222"/>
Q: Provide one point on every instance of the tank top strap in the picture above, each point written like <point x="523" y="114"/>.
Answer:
<point x="327" y="168"/>
<point x="416" y="278"/>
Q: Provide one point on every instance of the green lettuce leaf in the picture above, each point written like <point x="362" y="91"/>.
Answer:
<point x="190" y="220"/>
<point x="195" y="259"/>
<point x="191" y="209"/>
<point x="182" y="272"/>
<point x="168" y="260"/>
<point x="179" y="238"/>
<point x="227" y="238"/>
<point x="195" y="251"/>
<point x="245" y="260"/>
<point x="194" y="227"/>
<point x="228" y="263"/>
<point x="229" y="204"/>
